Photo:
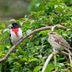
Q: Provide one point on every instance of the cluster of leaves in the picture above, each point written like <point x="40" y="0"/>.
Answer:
<point x="31" y="54"/>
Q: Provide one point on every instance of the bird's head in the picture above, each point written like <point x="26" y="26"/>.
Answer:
<point x="15" y="25"/>
<point x="51" y="33"/>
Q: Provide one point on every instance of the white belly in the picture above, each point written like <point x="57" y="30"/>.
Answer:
<point x="14" y="38"/>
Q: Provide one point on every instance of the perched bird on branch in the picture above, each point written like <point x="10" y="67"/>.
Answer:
<point x="15" y="32"/>
<point x="58" y="42"/>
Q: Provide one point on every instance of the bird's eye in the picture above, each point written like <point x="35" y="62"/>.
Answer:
<point x="51" y="33"/>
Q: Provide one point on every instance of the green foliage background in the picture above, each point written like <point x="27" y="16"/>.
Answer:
<point x="32" y="53"/>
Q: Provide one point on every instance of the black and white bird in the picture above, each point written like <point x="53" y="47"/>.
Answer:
<point x="15" y="33"/>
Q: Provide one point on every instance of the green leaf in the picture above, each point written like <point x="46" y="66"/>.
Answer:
<point x="32" y="59"/>
<point x="37" y="68"/>
<point x="50" y="67"/>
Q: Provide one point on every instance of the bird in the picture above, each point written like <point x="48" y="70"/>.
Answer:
<point x="58" y="42"/>
<point x="15" y="33"/>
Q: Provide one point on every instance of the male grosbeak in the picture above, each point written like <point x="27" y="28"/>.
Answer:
<point x="16" y="33"/>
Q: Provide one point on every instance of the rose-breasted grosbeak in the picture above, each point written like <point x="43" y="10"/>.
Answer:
<point x="15" y="32"/>
<point x="58" y="42"/>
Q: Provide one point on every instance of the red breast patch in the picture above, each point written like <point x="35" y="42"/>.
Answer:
<point x="15" y="30"/>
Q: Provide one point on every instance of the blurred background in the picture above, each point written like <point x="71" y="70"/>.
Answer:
<point x="13" y="9"/>
<point x="19" y="8"/>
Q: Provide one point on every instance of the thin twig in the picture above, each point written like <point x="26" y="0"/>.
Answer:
<point x="65" y="53"/>
<point x="47" y="62"/>
<point x="50" y="57"/>
<point x="58" y="26"/>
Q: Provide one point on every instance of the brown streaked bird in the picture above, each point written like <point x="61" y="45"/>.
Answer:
<point x="58" y="42"/>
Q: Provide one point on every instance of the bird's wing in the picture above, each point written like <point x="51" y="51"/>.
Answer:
<point x="10" y="40"/>
<point x="61" y="41"/>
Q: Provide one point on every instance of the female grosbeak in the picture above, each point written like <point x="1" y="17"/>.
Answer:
<point x="59" y="44"/>
<point x="57" y="41"/>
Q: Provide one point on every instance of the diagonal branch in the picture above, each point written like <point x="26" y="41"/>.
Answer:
<point x="24" y="37"/>
<point x="47" y="62"/>
<point x="50" y="57"/>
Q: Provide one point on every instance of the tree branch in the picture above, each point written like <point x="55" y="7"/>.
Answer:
<point x="21" y="39"/>
<point x="50" y="57"/>
<point x="47" y="62"/>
